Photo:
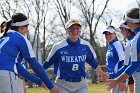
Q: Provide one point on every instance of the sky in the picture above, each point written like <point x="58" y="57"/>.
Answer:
<point x="122" y="5"/>
<point x="115" y="5"/>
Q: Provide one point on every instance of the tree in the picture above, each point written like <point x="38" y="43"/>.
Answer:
<point x="138" y="2"/>
<point x="37" y="11"/>
<point x="63" y="8"/>
<point x="90" y="12"/>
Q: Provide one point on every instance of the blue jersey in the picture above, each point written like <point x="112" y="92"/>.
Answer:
<point x="69" y="58"/>
<point x="127" y="60"/>
<point x="134" y="54"/>
<point x="114" y="56"/>
<point x="11" y="47"/>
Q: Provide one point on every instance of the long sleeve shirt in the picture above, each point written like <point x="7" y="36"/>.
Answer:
<point x="69" y="58"/>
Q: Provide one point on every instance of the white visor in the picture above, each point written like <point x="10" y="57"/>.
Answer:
<point x="123" y="24"/>
<point x="22" y="23"/>
<point x="109" y="29"/>
<point x="126" y="18"/>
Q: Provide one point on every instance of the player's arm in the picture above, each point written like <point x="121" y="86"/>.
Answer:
<point x="27" y="75"/>
<point x="39" y="70"/>
<point x="118" y="73"/>
<point x="27" y="52"/>
<point x="91" y="60"/>
<point x="52" y="57"/>
<point x="135" y="59"/>
<point x="128" y="72"/>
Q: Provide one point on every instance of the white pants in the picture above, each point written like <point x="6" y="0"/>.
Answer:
<point x="8" y="82"/>
<point x="72" y="87"/>
<point x="136" y="77"/>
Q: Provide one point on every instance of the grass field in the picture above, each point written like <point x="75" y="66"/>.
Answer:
<point x="93" y="88"/>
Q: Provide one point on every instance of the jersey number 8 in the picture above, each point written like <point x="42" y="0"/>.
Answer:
<point x="75" y="67"/>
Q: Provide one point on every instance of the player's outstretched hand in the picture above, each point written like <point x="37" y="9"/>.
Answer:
<point x="111" y="83"/>
<point x="44" y="86"/>
<point x="55" y="89"/>
<point x="104" y="77"/>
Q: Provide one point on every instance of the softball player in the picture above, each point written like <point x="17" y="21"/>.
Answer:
<point x="69" y="57"/>
<point x="133" y="21"/>
<point x="127" y="33"/>
<point x="114" y="55"/>
<point x="14" y="45"/>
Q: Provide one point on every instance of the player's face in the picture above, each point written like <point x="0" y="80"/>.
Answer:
<point x="74" y="32"/>
<point x="124" y="32"/>
<point x="110" y="36"/>
<point x="132" y="26"/>
<point x="24" y="29"/>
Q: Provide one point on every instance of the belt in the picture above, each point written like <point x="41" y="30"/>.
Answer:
<point x="73" y="79"/>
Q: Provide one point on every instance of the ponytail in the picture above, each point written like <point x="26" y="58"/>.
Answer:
<point x="5" y="27"/>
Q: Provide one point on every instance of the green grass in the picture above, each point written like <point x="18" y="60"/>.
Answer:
<point x="93" y="88"/>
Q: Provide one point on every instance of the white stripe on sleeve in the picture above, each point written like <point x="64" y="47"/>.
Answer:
<point x="59" y="45"/>
<point x="119" y="49"/>
<point x="31" y="52"/>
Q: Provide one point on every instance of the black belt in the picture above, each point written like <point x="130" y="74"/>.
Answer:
<point x="73" y="79"/>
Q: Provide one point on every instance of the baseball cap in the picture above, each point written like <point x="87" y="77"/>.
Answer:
<point x="109" y="29"/>
<point x="123" y="24"/>
<point x="72" y="22"/>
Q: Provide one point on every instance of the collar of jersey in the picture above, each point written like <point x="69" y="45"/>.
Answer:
<point x="73" y="43"/>
<point x="14" y="31"/>
<point x="137" y="30"/>
<point x="11" y="31"/>
<point x="114" y="40"/>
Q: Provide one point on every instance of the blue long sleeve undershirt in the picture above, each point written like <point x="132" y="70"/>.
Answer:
<point x="118" y="73"/>
<point x="132" y="68"/>
<point x="39" y="70"/>
<point x="27" y="75"/>
<point x="120" y="70"/>
<point x="46" y="64"/>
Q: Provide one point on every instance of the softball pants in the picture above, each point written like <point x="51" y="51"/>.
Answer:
<point x="8" y="82"/>
<point x="136" y="77"/>
<point x="72" y="87"/>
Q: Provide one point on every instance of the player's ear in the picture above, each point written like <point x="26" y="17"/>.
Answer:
<point x="67" y="31"/>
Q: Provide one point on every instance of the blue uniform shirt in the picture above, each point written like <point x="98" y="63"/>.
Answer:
<point x="134" y="54"/>
<point x="10" y="48"/>
<point x="127" y="60"/>
<point x="69" y="58"/>
<point x="114" y="56"/>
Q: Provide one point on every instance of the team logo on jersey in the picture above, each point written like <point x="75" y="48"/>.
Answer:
<point x="73" y="58"/>
<point x="83" y="49"/>
<point x="64" y="52"/>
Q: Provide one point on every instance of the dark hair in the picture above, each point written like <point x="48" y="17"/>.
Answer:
<point x="5" y="27"/>
<point x="2" y="26"/>
<point x="17" y="17"/>
<point x="134" y="13"/>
